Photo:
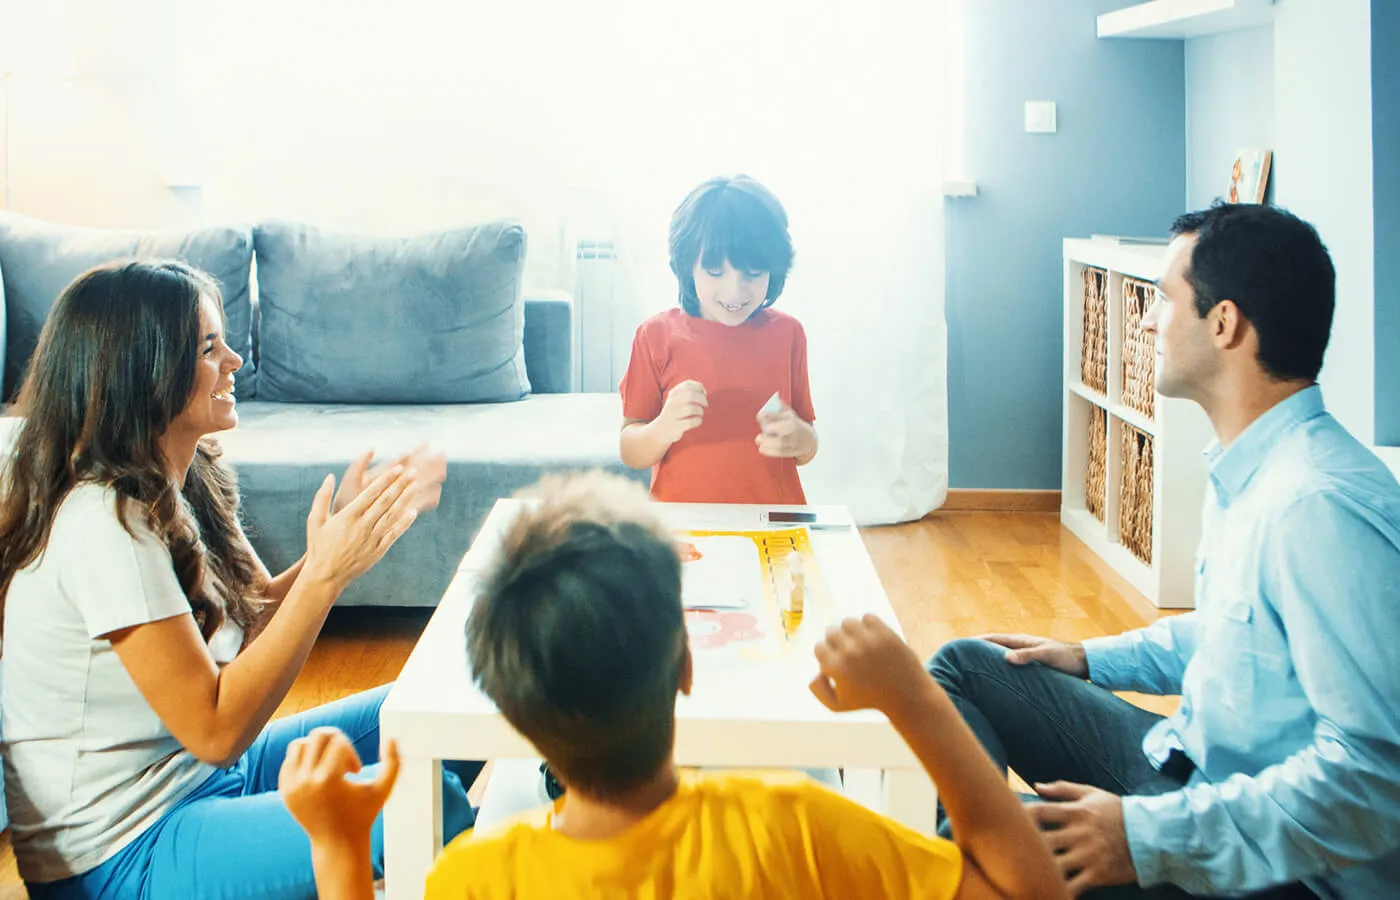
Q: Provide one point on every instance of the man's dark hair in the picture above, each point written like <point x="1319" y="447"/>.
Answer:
<point x="736" y="219"/>
<point x="1276" y="269"/>
<point x="578" y="635"/>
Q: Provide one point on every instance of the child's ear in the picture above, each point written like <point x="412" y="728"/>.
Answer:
<point x="687" y="670"/>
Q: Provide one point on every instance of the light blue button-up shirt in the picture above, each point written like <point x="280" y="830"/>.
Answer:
<point x="1288" y="670"/>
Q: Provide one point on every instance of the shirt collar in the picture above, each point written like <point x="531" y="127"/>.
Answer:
<point x="1231" y="468"/>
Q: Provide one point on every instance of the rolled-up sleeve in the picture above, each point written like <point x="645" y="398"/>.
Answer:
<point x="1149" y="660"/>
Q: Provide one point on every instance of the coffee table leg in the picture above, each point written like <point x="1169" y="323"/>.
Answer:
<point x="412" y="828"/>
<point x="911" y="799"/>
<point x="866" y="787"/>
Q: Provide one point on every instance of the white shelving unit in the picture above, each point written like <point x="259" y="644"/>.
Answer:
<point x="1171" y="433"/>
<point x="1183" y="19"/>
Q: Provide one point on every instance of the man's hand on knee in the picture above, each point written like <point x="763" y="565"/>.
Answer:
<point x="1085" y="831"/>
<point x="1024" y="648"/>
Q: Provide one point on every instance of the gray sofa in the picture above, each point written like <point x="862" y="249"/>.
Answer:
<point x="354" y="343"/>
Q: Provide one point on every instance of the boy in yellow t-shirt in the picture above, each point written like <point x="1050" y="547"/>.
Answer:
<point x="578" y="637"/>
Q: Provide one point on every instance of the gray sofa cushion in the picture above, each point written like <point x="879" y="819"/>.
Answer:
<point x="282" y="452"/>
<point x="435" y="318"/>
<point x="40" y="259"/>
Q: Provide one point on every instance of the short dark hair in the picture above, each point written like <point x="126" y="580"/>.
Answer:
<point x="578" y="635"/>
<point x="1275" y="268"/>
<point x="733" y="218"/>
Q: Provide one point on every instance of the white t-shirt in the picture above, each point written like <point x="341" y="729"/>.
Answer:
<point x="88" y="764"/>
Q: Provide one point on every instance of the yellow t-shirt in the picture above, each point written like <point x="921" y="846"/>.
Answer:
<point x="721" y="836"/>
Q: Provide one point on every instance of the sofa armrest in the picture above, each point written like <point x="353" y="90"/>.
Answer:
<point x="549" y="343"/>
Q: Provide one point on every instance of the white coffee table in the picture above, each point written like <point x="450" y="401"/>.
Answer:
<point x="756" y="713"/>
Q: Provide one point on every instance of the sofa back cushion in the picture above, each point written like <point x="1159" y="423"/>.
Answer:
<point x="40" y="259"/>
<point x="435" y="318"/>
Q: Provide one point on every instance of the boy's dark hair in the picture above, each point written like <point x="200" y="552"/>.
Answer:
<point x="736" y="219"/>
<point x="578" y="635"/>
<point x="1276" y="269"/>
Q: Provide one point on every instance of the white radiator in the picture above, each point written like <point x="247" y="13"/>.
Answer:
<point x="597" y="366"/>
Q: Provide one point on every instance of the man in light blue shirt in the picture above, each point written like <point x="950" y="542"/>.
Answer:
<point x="1279" y="775"/>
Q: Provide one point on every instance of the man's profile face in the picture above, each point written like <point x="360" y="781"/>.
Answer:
<point x="1185" y="355"/>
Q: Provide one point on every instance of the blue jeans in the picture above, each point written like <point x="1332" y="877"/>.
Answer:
<point x="232" y="836"/>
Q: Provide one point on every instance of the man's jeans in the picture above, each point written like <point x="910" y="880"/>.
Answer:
<point x="1048" y="726"/>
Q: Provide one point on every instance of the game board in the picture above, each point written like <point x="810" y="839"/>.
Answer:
<point x="735" y="585"/>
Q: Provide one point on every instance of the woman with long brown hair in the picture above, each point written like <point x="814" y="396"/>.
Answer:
<point x="138" y="761"/>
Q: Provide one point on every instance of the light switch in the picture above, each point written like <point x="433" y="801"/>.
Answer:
<point x="1040" y="117"/>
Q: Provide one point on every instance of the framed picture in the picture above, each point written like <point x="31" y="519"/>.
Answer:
<point x="1250" y="178"/>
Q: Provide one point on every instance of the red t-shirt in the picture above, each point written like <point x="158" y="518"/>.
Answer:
<point x="740" y="367"/>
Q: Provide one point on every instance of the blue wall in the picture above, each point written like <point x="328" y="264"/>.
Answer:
<point x="1385" y="139"/>
<point x="1229" y="105"/>
<point x="1116" y="165"/>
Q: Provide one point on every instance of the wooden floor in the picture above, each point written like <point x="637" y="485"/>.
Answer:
<point x="954" y="574"/>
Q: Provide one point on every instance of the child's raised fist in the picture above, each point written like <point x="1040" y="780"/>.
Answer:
<point x="865" y="665"/>
<point x="313" y="783"/>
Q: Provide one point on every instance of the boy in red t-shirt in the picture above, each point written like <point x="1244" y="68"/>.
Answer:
<point x="696" y="396"/>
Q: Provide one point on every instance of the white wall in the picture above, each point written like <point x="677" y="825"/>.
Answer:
<point x="1323" y="172"/>
<point x="376" y="120"/>
<point x="1229" y="105"/>
<point x="1391" y="457"/>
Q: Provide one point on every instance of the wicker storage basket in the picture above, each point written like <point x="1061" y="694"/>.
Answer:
<point x="1139" y="358"/>
<point x="1093" y="361"/>
<point x="1135" y="496"/>
<point x="1096" y="473"/>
